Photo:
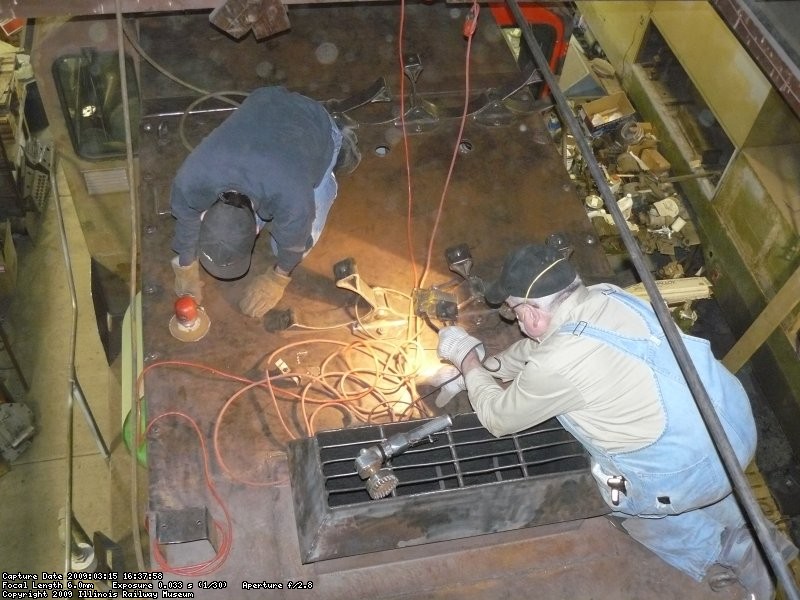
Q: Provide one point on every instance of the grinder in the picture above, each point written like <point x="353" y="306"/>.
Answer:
<point x="369" y="464"/>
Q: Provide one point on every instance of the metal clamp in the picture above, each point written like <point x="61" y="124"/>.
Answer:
<point x="617" y="485"/>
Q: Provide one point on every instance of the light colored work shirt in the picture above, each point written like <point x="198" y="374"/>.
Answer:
<point x="610" y="395"/>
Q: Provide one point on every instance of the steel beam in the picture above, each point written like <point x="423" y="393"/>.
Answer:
<point x="28" y="9"/>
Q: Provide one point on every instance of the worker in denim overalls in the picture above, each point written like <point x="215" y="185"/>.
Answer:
<point x="597" y="359"/>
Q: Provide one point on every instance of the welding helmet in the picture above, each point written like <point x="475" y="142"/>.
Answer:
<point x="532" y="271"/>
<point x="227" y="236"/>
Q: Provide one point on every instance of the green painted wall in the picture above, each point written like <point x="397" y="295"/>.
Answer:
<point x="748" y="209"/>
<point x="729" y="81"/>
<point x="618" y="27"/>
<point x="776" y="124"/>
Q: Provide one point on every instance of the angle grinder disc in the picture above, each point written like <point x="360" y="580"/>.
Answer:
<point x="192" y="332"/>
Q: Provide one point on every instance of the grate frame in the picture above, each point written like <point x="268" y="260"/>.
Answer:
<point x="463" y="482"/>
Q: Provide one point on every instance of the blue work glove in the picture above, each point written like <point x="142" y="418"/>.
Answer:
<point x="455" y="344"/>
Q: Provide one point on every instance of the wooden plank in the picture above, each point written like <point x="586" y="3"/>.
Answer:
<point x="776" y="311"/>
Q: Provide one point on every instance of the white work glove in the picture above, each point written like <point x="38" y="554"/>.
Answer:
<point x="263" y="293"/>
<point x="450" y="389"/>
<point x="455" y="344"/>
<point x="187" y="280"/>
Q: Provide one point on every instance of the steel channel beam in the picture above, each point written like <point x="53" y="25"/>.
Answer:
<point x="28" y="9"/>
<point x="728" y="456"/>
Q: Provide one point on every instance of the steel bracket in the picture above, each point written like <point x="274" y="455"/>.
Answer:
<point x="382" y="318"/>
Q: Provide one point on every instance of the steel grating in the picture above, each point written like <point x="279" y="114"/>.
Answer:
<point x="463" y="456"/>
<point x="464" y="482"/>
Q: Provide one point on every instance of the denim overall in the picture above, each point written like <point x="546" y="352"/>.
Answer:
<point x="678" y="484"/>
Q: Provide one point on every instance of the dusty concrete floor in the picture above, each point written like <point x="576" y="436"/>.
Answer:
<point x="39" y="321"/>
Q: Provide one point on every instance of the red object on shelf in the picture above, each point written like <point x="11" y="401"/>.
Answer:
<point x="11" y="26"/>
<point x="554" y="18"/>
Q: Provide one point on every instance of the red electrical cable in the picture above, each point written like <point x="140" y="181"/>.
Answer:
<point x="406" y="150"/>
<point x="225" y="529"/>
<point x="470" y="25"/>
<point x="338" y="385"/>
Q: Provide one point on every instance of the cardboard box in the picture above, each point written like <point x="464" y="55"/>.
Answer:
<point x="657" y="164"/>
<point x="606" y="113"/>
<point x="11" y="26"/>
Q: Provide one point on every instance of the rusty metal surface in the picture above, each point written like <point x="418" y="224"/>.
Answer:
<point x="239" y="17"/>
<point x="328" y="53"/>
<point x="509" y="188"/>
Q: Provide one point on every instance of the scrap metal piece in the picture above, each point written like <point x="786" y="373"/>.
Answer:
<point x="16" y="429"/>
<point x="263" y="17"/>
<point x="279" y="320"/>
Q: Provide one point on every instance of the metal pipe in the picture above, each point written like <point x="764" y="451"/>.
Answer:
<point x="71" y="366"/>
<point x="132" y="286"/>
<point x="80" y="398"/>
<point x="720" y="439"/>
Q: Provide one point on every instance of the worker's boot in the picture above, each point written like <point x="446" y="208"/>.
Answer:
<point x="349" y="155"/>
<point x="720" y="577"/>
<point x="741" y="553"/>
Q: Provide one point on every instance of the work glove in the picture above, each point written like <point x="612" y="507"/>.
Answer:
<point x="263" y="293"/>
<point x="453" y="385"/>
<point x="349" y="154"/>
<point x="187" y="280"/>
<point x="455" y="344"/>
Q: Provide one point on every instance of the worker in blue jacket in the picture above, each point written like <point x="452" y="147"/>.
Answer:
<point x="272" y="161"/>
